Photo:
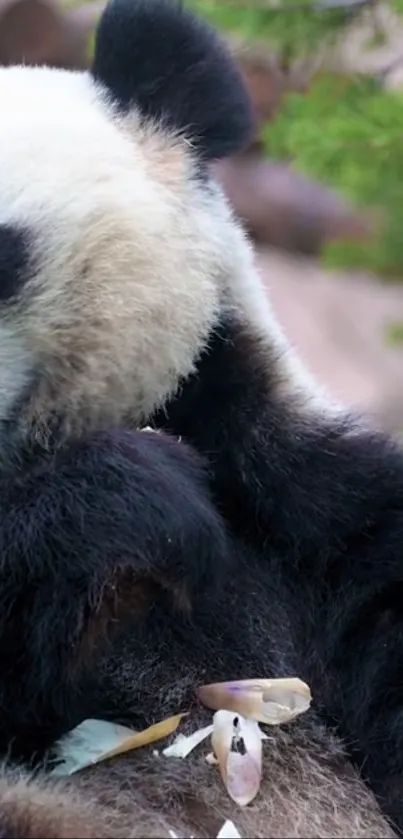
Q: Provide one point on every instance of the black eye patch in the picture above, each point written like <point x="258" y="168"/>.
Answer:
<point x="14" y="256"/>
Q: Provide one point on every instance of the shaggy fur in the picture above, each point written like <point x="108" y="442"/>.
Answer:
<point x="309" y="790"/>
<point x="260" y="536"/>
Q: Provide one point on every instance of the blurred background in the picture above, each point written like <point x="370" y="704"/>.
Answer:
<point x="320" y="187"/>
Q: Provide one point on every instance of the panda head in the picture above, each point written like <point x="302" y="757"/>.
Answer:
<point x="115" y="246"/>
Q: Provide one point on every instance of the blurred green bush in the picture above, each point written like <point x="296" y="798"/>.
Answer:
<point x="346" y="132"/>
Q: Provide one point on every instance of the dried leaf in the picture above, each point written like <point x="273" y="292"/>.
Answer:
<point x="94" y="741"/>
<point x="183" y="746"/>
<point x="148" y="735"/>
<point x="237" y="744"/>
<point x="85" y="744"/>
<point x="270" y="701"/>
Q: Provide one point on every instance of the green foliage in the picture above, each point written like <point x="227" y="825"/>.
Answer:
<point x="345" y="132"/>
<point x="348" y="133"/>
<point x="394" y="333"/>
<point x="292" y="30"/>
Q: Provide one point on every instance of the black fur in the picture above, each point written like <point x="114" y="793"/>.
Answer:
<point x="7" y="830"/>
<point x="14" y="255"/>
<point x="156" y="55"/>
<point x="322" y="503"/>
<point x="313" y="573"/>
<point x="105" y="516"/>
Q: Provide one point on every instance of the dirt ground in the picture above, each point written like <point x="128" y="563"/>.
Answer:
<point x="338" y="322"/>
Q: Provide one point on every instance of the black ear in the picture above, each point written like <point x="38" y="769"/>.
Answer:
<point x="156" y="55"/>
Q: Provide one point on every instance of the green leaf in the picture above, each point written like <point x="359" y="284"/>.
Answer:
<point x="394" y="333"/>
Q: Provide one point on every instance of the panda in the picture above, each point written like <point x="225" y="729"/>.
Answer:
<point x="259" y="533"/>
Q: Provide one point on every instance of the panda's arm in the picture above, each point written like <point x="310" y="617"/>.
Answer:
<point x="326" y="496"/>
<point x="288" y="476"/>
<point x="83" y="540"/>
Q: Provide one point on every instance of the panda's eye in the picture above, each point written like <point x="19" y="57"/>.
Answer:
<point x="14" y="254"/>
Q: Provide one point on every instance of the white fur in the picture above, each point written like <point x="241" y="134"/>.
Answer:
<point x="133" y="258"/>
<point x="127" y="261"/>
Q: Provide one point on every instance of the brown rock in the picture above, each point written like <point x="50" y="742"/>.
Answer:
<point x="284" y="210"/>
<point x="41" y="32"/>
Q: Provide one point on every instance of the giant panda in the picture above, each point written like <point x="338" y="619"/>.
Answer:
<point x="259" y="533"/>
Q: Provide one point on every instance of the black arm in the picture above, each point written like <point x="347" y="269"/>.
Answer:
<point x="83" y="541"/>
<point x="325" y="496"/>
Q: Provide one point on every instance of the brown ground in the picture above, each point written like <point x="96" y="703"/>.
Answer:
<point x="338" y="323"/>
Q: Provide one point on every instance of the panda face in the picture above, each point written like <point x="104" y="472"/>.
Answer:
<point x="115" y="247"/>
<point x="110" y="258"/>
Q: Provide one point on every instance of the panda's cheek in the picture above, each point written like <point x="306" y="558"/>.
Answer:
<point x="14" y="260"/>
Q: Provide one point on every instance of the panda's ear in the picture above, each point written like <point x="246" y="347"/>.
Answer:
<point x="156" y="55"/>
